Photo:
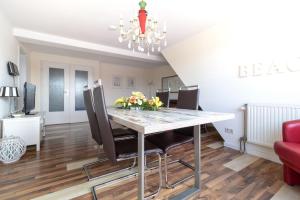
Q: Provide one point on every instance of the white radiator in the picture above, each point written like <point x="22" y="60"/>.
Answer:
<point x="264" y="122"/>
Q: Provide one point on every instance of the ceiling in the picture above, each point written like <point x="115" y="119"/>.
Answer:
<point x="82" y="25"/>
<point x="88" y="20"/>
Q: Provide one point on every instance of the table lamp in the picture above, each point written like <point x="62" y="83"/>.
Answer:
<point x="8" y="91"/>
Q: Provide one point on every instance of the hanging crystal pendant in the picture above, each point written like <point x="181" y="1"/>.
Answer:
<point x="120" y="39"/>
<point x="143" y="33"/>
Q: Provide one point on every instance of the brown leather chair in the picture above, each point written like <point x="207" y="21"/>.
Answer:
<point x="87" y="97"/>
<point x="119" y="134"/>
<point x="187" y="99"/>
<point x="164" y="96"/>
<point x="121" y="149"/>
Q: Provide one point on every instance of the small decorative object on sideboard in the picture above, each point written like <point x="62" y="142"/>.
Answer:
<point x="11" y="149"/>
<point x="138" y="101"/>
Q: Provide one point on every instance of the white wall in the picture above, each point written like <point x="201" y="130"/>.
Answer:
<point x="8" y="52"/>
<point x="158" y="73"/>
<point x="141" y="75"/>
<point x="148" y="79"/>
<point x="24" y="76"/>
<point x="212" y="58"/>
<point x="106" y="71"/>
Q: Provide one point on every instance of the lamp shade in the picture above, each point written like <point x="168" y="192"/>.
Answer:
<point x="7" y="91"/>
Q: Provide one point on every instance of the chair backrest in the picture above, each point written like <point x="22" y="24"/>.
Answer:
<point x="89" y="105"/>
<point x="103" y="122"/>
<point x="164" y="96"/>
<point x="188" y="98"/>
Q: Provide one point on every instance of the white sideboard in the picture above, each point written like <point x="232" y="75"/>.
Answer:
<point x="27" y="127"/>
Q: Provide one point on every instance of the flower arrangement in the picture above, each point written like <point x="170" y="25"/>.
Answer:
<point x="137" y="100"/>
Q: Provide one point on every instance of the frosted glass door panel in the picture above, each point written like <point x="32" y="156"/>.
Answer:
<point x="81" y="80"/>
<point x="56" y="90"/>
<point x="62" y="92"/>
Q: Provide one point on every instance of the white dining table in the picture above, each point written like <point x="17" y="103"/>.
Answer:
<point x="148" y="122"/>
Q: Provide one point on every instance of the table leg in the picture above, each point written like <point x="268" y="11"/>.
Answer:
<point x="197" y="147"/>
<point x="196" y="189"/>
<point x="141" y="166"/>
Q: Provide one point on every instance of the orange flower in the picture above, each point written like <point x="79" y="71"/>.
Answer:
<point x="133" y="100"/>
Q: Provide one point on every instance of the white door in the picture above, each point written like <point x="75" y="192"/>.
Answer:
<point x="55" y="93"/>
<point x="79" y="77"/>
<point x="62" y="92"/>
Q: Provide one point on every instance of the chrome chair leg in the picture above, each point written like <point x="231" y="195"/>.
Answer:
<point x="153" y="195"/>
<point x="166" y="172"/>
<point x="114" y="181"/>
<point x="173" y="185"/>
<point x="90" y="177"/>
<point x="147" y="165"/>
<point x="186" y="164"/>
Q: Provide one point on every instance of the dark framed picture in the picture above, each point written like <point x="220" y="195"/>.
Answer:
<point x="117" y="82"/>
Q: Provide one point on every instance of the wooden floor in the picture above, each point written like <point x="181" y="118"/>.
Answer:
<point x="41" y="173"/>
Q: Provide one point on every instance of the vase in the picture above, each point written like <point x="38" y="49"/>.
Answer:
<point x="11" y="149"/>
<point x="135" y="108"/>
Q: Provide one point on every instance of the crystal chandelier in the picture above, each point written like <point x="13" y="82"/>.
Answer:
<point x="143" y="33"/>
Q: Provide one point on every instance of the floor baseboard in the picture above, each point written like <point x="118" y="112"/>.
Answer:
<point x="263" y="152"/>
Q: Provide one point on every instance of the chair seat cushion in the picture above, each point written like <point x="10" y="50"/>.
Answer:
<point x="168" y="140"/>
<point x="129" y="148"/>
<point x="289" y="153"/>
<point x="121" y="132"/>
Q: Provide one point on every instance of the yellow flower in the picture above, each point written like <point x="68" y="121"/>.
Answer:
<point x="150" y="102"/>
<point x="134" y="93"/>
<point x="138" y="99"/>
<point x="156" y="99"/>
<point x="139" y="95"/>
<point x="120" y="101"/>
<point x="157" y="102"/>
